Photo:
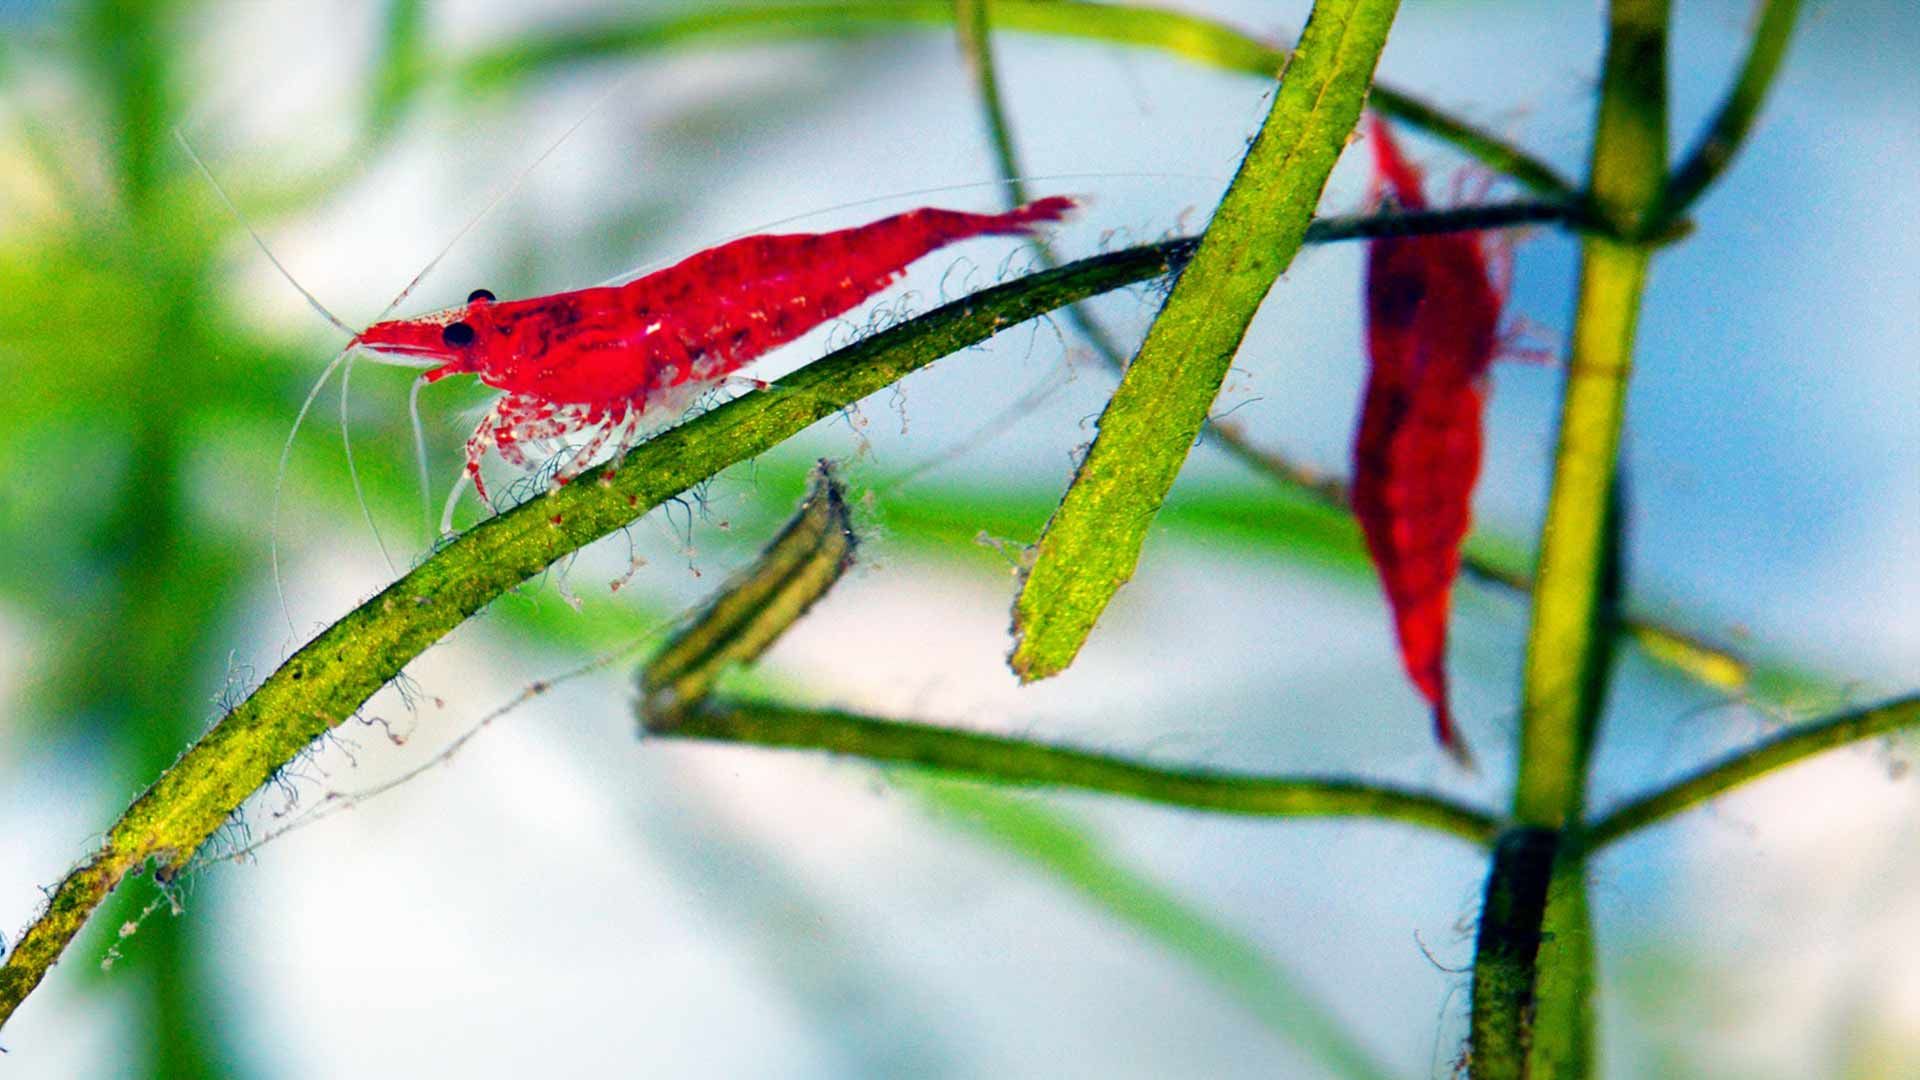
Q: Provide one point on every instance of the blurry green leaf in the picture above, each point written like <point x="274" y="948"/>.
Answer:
<point x="1173" y="32"/>
<point x="1063" y="848"/>
<point x="400" y="63"/>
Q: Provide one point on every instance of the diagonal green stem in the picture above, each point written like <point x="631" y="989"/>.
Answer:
<point x="1005" y="760"/>
<point x="1778" y="752"/>
<point x="1092" y="543"/>
<point x="323" y="683"/>
<point x="1730" y="125"/>
<point x="1666" y="644"/>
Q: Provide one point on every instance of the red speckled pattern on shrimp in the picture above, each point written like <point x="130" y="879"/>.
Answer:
<point x="601" y="358"/>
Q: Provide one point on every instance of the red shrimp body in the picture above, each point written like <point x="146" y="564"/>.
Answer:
<point x="601" y="357"/>
<point x="1433" y="318"/>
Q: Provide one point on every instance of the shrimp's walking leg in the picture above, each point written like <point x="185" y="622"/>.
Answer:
<point x="501" y="429"/>
<point x="606" y="420"/>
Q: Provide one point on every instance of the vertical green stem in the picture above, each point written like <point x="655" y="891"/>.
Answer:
<point x="1566" y="642"/>
<point x="1533" y="974"/>
<point x="1569" y="601"/>
<point x="1506" y="951"/>
<point x="1562" y="1022"/>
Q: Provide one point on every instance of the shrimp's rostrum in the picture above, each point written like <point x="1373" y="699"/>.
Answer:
<point x="600" y="359"/>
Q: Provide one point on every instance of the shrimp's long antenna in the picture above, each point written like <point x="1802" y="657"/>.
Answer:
<point x="314" y="301"/>
<point x="286" y="449"/>
<point x="279" y="481"/>
<point x="420" y="456"/>
<point x="501" y="196"/>
<point x="453" y="500"/>
<point x="346" y="443"/>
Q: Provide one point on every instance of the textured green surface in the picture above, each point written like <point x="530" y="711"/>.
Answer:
<point x="756" y="606"/>
<point x="1092" y="543"/>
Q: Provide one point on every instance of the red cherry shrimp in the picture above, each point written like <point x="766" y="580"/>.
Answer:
<point x="605" y="360"/>
<point x="1433" y="328"/>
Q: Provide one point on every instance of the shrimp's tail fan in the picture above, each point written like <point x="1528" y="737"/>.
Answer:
<point x="1024" y="219"/>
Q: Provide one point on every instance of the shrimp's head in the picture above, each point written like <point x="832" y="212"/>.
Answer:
<point x="449" y="342"/>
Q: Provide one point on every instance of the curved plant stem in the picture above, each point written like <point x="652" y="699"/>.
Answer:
<point x="970" y="21"/>
<point x="327" y="680"/>
<point x="1778" y="752"/>
<point x="1524" y="1024"/>
<point x="1003" y="760"/>
<point x="1728" y="130"/>
<point x="1176" y="33"/>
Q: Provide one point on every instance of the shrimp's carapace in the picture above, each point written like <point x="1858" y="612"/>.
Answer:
<point x="600" y="358"/>
<point x="1433" y="317"/>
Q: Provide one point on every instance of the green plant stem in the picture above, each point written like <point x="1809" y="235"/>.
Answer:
<point x="1506" y="949"/>
<point x="1778" y="752"/>
<point x="1003" y="760"/>
<point x="756" y="606"/>
<point x="1568" y="616"/>
<point x="323" y="683"/>
<point x="1524" y="1023"/>
<point x="1734" y="119"/>
<point x="1562" y="1018"/>
<point x="1190" y="37"/>
<point x="970" y="21"/>
<point x="1091" y="545"/>
<point x="1668" y="645"/>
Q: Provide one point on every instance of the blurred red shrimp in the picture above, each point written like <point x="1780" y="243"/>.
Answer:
<point x="604" y="359"/>
<point x="1433" y="329"/>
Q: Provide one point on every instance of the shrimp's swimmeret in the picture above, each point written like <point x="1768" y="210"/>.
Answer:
<point x="598" y="360"/>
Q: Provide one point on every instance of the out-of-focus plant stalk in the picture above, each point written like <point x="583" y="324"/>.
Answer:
<point x="1023" y="762"/>
<point x="1787" y="748"/>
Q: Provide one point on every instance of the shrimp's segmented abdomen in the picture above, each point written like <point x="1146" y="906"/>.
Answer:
<point x="610" y="358"/>
<point x="733" y="303"/>
<point x="1432" y="331"/>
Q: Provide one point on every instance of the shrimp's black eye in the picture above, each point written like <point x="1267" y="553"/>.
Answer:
<point x="480" y="294"/>
<point x="457" y="334"/>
